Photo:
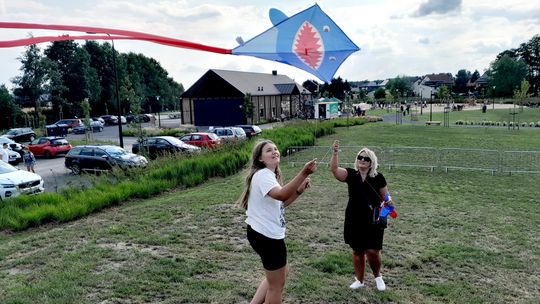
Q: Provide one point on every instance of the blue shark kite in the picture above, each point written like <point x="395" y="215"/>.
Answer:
<point x="309" y="40"/>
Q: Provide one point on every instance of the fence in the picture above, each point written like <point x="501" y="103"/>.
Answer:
<point x="445" y="159"/>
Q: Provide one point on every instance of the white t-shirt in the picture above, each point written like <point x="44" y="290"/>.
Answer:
<point x="5" y="155"/>
<point x="265" y="214"/>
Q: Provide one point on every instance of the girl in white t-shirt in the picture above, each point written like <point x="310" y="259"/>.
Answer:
<point x="265" y="200"/>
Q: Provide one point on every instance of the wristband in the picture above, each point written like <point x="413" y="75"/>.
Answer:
<point x="298" y="192"/>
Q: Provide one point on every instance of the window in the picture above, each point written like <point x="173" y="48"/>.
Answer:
<point x="196" y="137"/>
<point x="87" y="151"/>
<point x="99" y="152"/>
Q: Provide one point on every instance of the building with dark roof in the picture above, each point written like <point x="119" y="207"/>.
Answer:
<point x="217" y="98"/>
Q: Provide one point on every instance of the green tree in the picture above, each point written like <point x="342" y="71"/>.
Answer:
<point x="475" y="75"/>
<point x="30" y="87"/>
<point x="8" y="108"/>
<point x="78" y="78"/>
<point x="521" y="93"/>
<point x="248" y="108"/>
<point x="380" y="93"/>
<point x="444" y="93"/>
<point x="85" y="106"/>
<point x="399" y="87"/>
<point x="506" y="74"/>
<point x="462" y="79"/>
<point x="337" y="88"/>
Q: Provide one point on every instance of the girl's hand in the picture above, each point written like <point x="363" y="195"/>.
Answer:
<point x="310" y="167"/>
<point x="303" y="187"/>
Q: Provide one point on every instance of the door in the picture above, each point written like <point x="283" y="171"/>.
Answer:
<point x="218" y="112"/>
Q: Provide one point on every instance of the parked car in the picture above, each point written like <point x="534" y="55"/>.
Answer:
<point x="229" y="133"/>
<point x="98" y="119"/>
<point x="12" y="145"/>
<point x="49" y="146"/>
<point x="160" y="145"/>
<point x="139" y="117"/>
<point x="71" y="123"/>
<point x="110" y="120"/>
<point x="202" y="140"/>
<point x="14" y="157"/>
<point x="251" y="130"/>
<point x="14" y="182"/>
<point x="101" y="158"/>
<point x="21" y="134"/>
<point x="95" y="126"/>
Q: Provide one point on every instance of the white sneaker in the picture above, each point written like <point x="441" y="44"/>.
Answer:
<point x="380" y="284"/>
<point x="356" y="284"/>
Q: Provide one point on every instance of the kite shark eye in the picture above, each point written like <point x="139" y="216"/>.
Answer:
<point x="332" y="58"/>
<point x="326" y="29"/>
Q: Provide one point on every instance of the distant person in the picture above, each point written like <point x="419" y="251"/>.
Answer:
<point x="363" y="230"/>
<point x="265" y="200"/>
<point x="29" y="159"/>
<point x="5" y="153"/>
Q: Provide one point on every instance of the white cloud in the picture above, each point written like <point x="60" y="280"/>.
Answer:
<point x="392" y="41"/>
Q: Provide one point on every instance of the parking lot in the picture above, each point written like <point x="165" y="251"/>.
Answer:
<point x="56" y="176"/>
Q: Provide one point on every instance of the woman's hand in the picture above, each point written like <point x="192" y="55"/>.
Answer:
<point x="335" y="146"/>
<point x="310" y="167"/>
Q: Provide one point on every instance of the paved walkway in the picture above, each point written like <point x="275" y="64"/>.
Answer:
<point x="437" y="108"/>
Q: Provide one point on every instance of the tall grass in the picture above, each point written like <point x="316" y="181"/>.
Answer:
<point x="161" y="175"/>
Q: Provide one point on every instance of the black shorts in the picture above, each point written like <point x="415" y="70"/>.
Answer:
<point x="273" y="252"/>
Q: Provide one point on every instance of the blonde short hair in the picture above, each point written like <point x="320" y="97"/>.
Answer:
<point x="374" y="162"/>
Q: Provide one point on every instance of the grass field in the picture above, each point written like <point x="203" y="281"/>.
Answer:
<point x="527" y="115"/>
<point x="461" y="237"/>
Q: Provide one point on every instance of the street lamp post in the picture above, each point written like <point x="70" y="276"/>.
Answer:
<point x="158" y="112"/>
<point x="117" y="96"/>
<point x="117" y="93"/>
<point x="431" y="107"/>
<point x="493" y="97"/>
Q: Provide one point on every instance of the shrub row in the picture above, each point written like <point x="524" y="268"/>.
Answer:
<point x="497" y="123"/>
<point x="161" y="175"/>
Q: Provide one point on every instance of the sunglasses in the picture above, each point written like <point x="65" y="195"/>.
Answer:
<point x="365" y="158"/>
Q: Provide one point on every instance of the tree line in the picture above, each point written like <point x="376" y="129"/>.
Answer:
<point x="512" y="72"/>
<point x="55" y="82"/>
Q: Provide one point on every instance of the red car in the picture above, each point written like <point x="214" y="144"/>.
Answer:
<point x="49" y="146"/>
<point x="202" y="139"/>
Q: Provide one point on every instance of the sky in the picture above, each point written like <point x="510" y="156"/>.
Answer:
<point x="396" y="38"/>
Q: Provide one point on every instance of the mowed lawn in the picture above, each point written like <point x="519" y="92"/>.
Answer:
<point x="461" y="237"/>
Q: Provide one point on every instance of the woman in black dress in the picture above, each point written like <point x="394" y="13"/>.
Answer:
<point x="363" y="230"/>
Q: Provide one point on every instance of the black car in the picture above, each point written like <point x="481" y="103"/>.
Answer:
<point x="251" y="130"/>
<point x="101" y="158"/>
<point x="110" y="120"/>
<point x="21" y="134"/>
<point x="161" y="145"/>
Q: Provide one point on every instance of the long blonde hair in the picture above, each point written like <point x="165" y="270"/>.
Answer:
<point x="256" y="165"/>
<point x="374" y="162"/>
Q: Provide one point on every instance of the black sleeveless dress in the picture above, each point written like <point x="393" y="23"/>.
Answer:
<point x="359" y="231"/>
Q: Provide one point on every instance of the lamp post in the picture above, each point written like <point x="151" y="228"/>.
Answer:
<point x="117" y="96"/>
<point x="158" y="112"/>
<point x="117" y="92"/>
<point x="431" y="107"/>
<point x="493" y="97"/>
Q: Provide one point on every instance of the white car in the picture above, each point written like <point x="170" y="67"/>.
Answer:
<point x="14" y="182"/>
<point x="229" y="133"/>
